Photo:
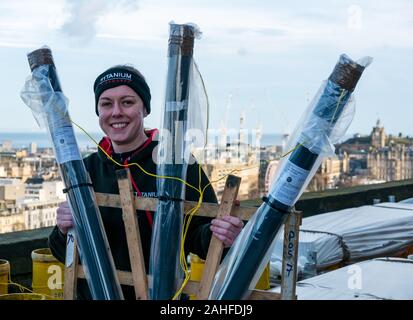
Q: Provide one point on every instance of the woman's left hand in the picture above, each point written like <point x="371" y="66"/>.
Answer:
<point x="227" y="229"/>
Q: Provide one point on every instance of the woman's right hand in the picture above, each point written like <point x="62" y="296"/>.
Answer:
<point x="64" y="219"/>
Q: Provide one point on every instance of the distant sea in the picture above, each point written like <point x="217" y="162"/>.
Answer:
<point x="42" y="140"/>
<point x="23" y="139"/>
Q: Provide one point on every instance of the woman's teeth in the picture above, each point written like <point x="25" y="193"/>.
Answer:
<point x="119" y="125"/>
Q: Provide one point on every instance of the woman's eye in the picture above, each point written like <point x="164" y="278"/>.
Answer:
<point x="105" y="104"/>
<point x="128" y="102"/>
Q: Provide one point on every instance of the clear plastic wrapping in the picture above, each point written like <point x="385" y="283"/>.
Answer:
<point x="43" y="94"/>
<point x="233" y="265"/>
<point x="351" y="235"/>
<point x="324" y="123"/>
<point x="50" y="111"/>
<point x="183" y="123"/>
<point x="377" y="279"/>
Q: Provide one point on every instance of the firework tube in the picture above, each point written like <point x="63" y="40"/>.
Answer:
<point x="164" y="267"/>
<point x="251" y="251"/>
<point x="43" y="94"/>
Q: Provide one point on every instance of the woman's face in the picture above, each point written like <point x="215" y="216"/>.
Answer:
<point x="121" y="113"/>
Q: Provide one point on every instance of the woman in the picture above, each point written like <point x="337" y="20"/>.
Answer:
<point x="122" y="101"/>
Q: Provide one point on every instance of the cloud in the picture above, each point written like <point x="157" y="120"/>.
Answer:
<point x="14" y="44"/>
<point x="84" y="15"/>
<point x="242" y="52"/>
<point x="271" y="32"/>
<point x="268" y="28"/>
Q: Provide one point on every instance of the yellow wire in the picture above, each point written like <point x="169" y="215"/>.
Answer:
<point x="338" y="104"/>
<point x="135" y="163"/>
<point x="22" y="288"/>
<point x="191" y="212"/>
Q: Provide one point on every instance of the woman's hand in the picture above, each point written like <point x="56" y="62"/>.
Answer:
<point x="64" y="217"/>
<point x="227" y="229"/>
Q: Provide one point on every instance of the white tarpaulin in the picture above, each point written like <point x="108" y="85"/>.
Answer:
<point x="378" y="279"/>
<point x="351" y="235"/>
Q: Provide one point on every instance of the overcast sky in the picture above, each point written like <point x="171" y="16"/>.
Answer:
<point x="270" y="56"/>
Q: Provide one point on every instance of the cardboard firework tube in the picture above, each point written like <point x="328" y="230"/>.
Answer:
<point x="94" y="248"/>
<point x="329" y="108"/>
<point x="285" y="190"/>
<point x="165" y="270"/>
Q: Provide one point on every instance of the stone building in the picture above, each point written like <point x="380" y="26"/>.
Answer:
<point x="394" y="162"/>
<point x="389" y="158"/>
<point x="330" y="173"/>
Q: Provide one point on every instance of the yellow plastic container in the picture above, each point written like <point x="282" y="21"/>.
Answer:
<point x="48" y="274"/>
<point x="23" y="296"/>
<point x="264" y="281"/>
<point x="4" y="276"/>
<point x="197" y="268"/>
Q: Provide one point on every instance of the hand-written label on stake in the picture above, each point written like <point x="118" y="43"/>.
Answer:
<point x="289" y="269"/>
<point x="291" y="237"/>
<point x="70" y="247"/>
<point x="290" y="252"/>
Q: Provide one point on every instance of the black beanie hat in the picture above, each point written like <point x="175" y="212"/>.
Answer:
<point x="122" y="75"/>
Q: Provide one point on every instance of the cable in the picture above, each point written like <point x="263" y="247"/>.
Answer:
<point x="22" y="288"/>
<point x="188" y="215"/>
<point x="191" y="212"/>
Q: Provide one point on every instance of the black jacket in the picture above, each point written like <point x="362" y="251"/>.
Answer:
<point x="103" y="176"/>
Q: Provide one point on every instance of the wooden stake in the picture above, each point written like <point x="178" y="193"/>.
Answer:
<point x="290" y="256"/>
<point x="130" y="219"/>
<point x="216" y="246"/>
<point x="143" y="203"/>
<point x="138" y="277"/>
<point x="71" y="270"/>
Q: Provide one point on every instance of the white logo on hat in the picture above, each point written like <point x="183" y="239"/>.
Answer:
<point x="116" y="76"/>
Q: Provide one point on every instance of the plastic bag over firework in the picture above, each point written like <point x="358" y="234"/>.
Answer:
<point x="326" y="120"/>
<point x="183" y="123"/>
<point x="43" y="94"/>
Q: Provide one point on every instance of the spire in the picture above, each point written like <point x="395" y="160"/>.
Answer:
<point x="378" y="123"/>
<point x="242" y="138"/>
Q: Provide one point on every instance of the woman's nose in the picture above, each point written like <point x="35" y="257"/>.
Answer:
<point x="117" y="109"/>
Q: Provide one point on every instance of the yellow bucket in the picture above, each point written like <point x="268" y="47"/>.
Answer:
<point x="23" y="296"/>
<point x="197" y="268"/>
<point x="4" y="276"/>
<point x="264" y="281"/>
<point x="48" y="274"/>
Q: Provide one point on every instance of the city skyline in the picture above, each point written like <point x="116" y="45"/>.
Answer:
<point x="270" y="57"/>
